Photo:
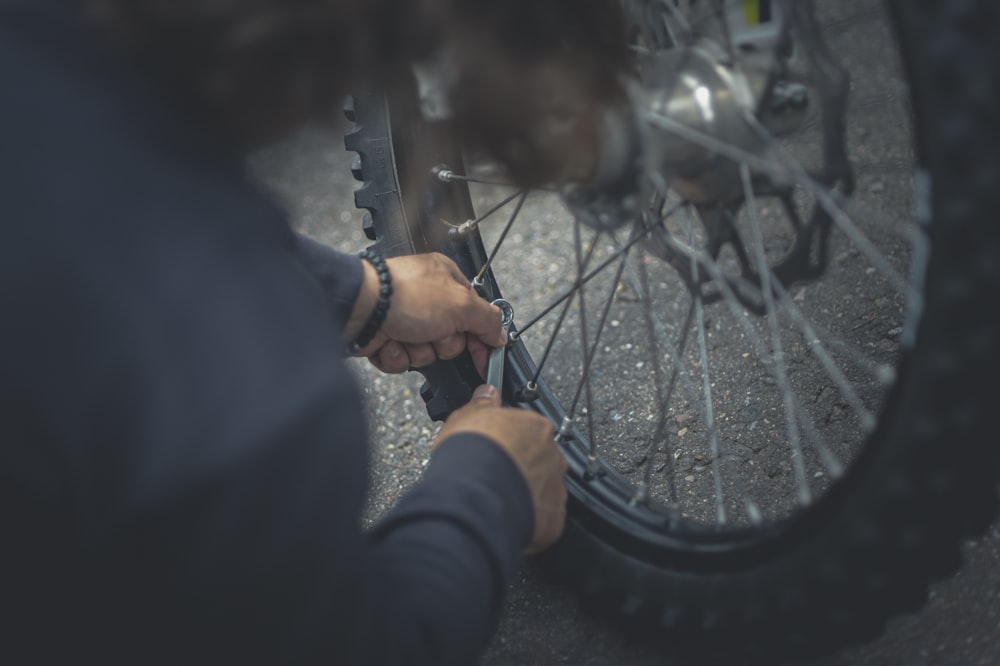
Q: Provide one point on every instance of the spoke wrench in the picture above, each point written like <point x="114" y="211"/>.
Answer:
<point x="494" y="368"/>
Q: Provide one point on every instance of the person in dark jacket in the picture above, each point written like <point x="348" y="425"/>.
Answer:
<point x="182" y="447"/>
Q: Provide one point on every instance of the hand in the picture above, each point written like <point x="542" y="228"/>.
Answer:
<point x="528" y="438"/>
<point x="434" y="313"/>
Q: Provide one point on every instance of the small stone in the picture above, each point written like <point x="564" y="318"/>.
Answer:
<point x="684" y="419"/>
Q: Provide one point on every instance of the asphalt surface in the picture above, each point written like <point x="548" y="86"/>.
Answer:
<point x="546" y="624"/>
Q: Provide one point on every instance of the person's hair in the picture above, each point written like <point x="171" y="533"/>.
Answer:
<point x="265" y="65"/>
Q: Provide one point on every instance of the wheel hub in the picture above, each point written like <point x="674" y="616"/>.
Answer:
<point x="700" y="89"/>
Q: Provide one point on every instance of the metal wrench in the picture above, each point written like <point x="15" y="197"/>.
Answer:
<point x="494" y="367"/>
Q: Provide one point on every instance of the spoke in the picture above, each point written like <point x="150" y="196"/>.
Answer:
<point x="504" y="202"/>
<point x="647" y="304"/>
<point x="562" y="315"/>
<point x="591" y="350"/>
<point x="664" y="402"/>
<point x="448" y="176"/>
<point x="503" y="236"/>
<point x="785" y="172"/>
<point x="681" y="21"/>
<point x="691" y="391"/>
<point x="819" y="351"/>
<point x="581" y="282"/>
<point x="791" y="422"/>
<point x="566" y="295"/>
<point x="588" y="355"/>
<point x="884" y="373"/>
<point x="713" y="431"/>
<point x="830" y="462"/>
<point x="720" y="17"/>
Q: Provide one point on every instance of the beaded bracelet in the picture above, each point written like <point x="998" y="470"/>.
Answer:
<point x="381" y="307"/>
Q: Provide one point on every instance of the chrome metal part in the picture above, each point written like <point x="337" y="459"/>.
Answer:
<point x="724" y="85"/>
<point x="527" y="393"/>
<point x="698" y="89"/>
<point x="494" y="367"/>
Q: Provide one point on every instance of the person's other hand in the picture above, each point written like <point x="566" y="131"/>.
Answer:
<point x="528" y="438"/>
<point x="434" y="313"/>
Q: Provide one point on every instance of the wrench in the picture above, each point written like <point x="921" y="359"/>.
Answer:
<point x="494" y="367"/>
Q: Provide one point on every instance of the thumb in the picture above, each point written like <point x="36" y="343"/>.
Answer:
<point x="484" y="320"/>
<point x="486" y="395"/>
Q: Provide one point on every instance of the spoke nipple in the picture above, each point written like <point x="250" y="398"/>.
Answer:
<point x="527" y="393"/>
<point x="443" y="173"/>
<point x="458" y="234"/>
<point x="564" y="429"/>
<point x="513" y="336"/>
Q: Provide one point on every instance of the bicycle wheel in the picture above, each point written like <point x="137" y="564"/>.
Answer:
<point x="771" y="377"/>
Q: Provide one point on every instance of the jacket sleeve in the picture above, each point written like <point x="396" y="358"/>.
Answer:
<point x="214" y="446"/>
<point x="339" y="274"/>
<point x="446" y="552"/>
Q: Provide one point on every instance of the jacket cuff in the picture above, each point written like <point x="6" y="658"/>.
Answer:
<point x="474" y="483"/>
<point x="339" y="274"/>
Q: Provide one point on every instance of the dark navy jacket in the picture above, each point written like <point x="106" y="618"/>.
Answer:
<point x="182" y="448"/>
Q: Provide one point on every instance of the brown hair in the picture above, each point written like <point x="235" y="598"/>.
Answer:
<point x="265" y="65"/>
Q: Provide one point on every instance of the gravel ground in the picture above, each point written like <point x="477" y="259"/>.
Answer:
<point x="543" y="624"/>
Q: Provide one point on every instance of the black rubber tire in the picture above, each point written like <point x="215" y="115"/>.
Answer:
<point x="897" y="520"/>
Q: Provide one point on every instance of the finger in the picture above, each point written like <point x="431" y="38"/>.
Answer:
<point x="393" y="358"/>
<point x="450" y="346"/>
<point x="486" y="395"/>
<point x="421" y="354"/>
<point x="480" y="354"/>
<point x="454" y="270"/>
<point x="485" y="321"/>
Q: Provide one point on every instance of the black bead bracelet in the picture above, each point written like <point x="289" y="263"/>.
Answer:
<point x="381" y="307"/>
